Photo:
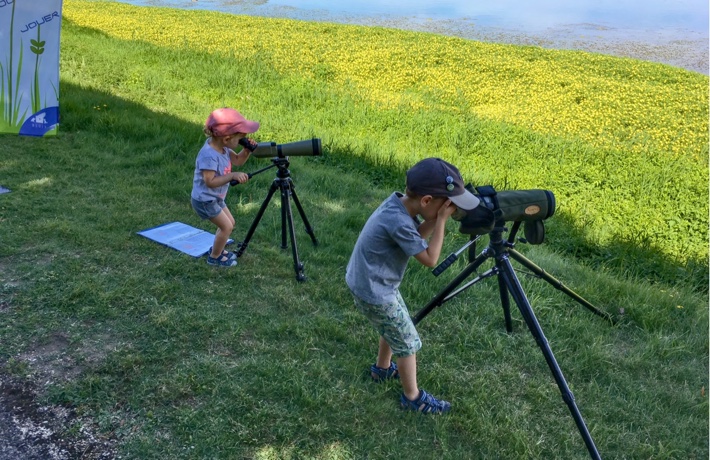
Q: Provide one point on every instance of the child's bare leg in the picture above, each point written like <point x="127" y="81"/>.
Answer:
<point x="407" y="366"/>
<point x="225" y="224"/>
<point x="226" y="211"/>
<point x="384" y="354"/>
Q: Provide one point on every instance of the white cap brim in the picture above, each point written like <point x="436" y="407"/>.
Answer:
<point x="466" y="201"/>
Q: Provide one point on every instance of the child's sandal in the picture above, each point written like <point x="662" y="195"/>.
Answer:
<point x="379" y="374"/>
<point x="221" y="261"/>
<point x="225" y="253"/>
<point x="425" y="403"/>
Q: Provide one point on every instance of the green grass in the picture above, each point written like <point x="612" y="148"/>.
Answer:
<point x="175" y="359"/>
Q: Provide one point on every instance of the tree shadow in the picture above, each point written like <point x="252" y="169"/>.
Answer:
<point x="169" y="140"/>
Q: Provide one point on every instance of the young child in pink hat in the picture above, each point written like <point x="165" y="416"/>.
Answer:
<point x="213" y="172"/>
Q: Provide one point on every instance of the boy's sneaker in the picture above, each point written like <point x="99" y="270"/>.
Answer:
<point x="222" y="261"/>
<point x="425" y="403"/>
<point x="379" y="374"/>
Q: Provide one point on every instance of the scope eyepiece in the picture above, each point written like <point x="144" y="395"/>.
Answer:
<point x="249" y="144"/>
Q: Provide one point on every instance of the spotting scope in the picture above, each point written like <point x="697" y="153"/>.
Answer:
<point x="306" y="148"/>
<point x="530" y="207"/>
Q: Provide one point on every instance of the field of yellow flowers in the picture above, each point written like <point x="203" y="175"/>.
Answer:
<point x="397" y="69"/>
<point x="633" y="118"/>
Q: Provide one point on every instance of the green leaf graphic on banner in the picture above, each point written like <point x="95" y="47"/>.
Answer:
<point x="38" y="49"/>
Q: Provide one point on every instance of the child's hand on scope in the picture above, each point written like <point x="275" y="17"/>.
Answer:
<point x="446" y="210"/>
<point x="249" y="144"/>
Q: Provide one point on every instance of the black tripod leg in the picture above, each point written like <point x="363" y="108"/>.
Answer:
<point x="513" y="284"/>
<point x="309" y="229"/>
<point x="250" y="233"/>
<point x="557" y="284"/>
<point x="287" y="221"/>
<point x="285" y="204"/>
<point x="440" y="298"/>
<point x="505" y="302"/>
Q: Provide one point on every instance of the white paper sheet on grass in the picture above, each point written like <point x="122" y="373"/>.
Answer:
<point x="182" y="237"/>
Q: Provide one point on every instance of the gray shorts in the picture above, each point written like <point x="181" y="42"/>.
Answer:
<point x="208" y="209"/>
<point x="392" y="321"/>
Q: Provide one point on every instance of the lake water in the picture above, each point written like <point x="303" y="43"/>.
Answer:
<point x="670" y="31"/>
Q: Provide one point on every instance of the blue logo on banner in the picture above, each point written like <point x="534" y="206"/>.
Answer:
<point x="41" y="122"/>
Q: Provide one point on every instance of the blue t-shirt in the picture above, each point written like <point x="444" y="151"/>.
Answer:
<point x="210" y="159"/>
<point x="378" y="262"/>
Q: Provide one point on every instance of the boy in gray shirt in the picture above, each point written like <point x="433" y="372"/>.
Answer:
<point x="392" y="235"/>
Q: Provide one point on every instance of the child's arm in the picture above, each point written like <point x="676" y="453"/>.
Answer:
<point x="240" y="158"/>
<point x="430" y="256"/>
<point x="212" y="180"/>
<point x="427" y="228"/>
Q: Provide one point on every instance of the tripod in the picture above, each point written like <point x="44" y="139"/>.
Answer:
<point x="508" y="284"/>
<point x="283" y="183"/>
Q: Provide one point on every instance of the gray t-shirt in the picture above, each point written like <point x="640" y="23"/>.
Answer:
<point x="210" y="159"/>
<point x="387" y="241"/>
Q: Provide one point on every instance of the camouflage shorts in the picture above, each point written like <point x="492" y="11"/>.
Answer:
<point x="392" y="321"/>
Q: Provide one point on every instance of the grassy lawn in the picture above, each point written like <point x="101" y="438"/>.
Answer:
<point x="168" y="357"/>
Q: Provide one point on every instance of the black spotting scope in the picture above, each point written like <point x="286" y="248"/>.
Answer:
<point x="309" y="147"/>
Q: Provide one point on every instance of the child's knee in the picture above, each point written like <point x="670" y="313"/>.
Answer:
<point x="225" y="226"/>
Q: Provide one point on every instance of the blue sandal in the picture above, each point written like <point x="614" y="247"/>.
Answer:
<point x="222" y="261"/>
<point x="379" y="374"/>
<point x="229" y="255"/>
<point x="425" y="403"/>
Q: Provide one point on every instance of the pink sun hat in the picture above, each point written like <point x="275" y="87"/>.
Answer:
<point x="227" y="121"/>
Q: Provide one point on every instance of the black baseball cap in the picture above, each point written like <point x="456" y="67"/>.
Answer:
<point x="436" y="177"/>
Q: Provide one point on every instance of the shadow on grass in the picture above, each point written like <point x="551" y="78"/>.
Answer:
<point x="163" y="146"/>
<point x="156" y="152"/>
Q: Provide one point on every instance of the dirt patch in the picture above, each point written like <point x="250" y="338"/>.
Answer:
<point x="33" y="431"/>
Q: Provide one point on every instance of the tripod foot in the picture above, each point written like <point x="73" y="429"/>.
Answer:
<point x="300" y="276"/>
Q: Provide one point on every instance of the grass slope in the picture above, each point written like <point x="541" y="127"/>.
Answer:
<point x="177" y="360"/>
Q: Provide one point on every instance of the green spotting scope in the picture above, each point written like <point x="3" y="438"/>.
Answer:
<point x="306" y="148"/>
<point x="528" y="206"/>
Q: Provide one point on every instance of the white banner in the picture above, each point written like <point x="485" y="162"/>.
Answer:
<point x="29" y="66"/>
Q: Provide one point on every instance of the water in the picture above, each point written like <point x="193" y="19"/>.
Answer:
<point x="670" y="31"/>
<point x="537" y="15"/>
